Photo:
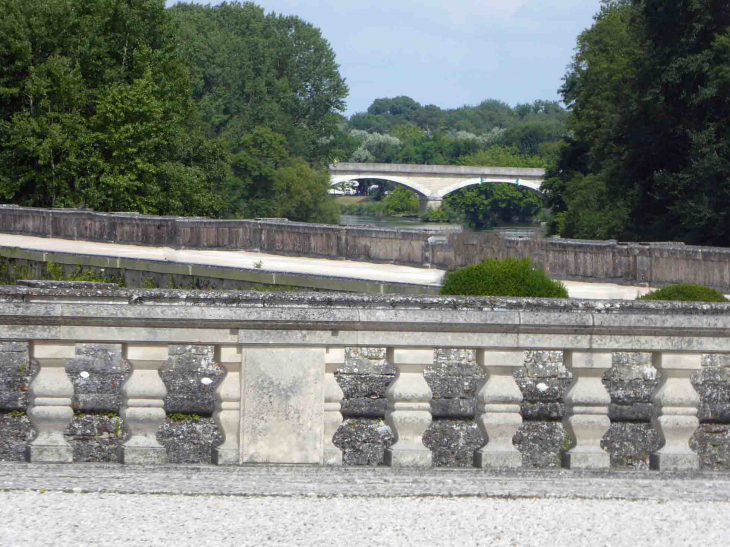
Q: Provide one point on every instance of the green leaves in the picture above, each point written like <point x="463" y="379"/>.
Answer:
<point x="508" y="277"/>
<point x="95" y="109"/>
<point x="649" y="157"/>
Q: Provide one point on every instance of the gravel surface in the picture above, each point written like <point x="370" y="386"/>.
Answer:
<point x="57" y="518"/>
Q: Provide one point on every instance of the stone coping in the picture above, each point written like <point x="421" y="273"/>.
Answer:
<point x="178" y="297"/>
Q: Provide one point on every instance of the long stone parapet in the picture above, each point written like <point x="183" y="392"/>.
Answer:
<point x="655" y="264"/>
<point x="282" y="350"/>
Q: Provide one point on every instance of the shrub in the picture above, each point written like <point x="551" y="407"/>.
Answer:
<point x="686" y="292"/>
<point x="509" y="277"/>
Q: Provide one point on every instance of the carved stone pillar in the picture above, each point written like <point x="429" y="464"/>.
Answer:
<point x="409" y="408"/>
<point x="50" y="410"/>
<point x="227" y="413"/>
<point x="142" y="410"/>
<point x="333" y="396"/>
<point x="586" y="409"/>
<point x="675" y="411"/>
<point x="498" y="408"/>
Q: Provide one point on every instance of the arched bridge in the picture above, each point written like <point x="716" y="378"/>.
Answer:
<point x="434" y="182"/>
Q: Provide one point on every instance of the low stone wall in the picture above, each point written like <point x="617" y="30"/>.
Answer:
<point x="288" y="238"/>
<point x="657" y="264"/>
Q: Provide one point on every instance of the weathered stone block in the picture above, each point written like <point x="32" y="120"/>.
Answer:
<point x="97" y="373"/>
<point x="191" y="376"/>
<point x="453" y="442"/>
<point x="541" y="444"/>
<point x="284" y="412"/>
<point x="363" y="441"/>
<point x="15" y="433"/>
<point x="96" y="437"/>
<point x="189" y="441"/>
<point x="629" y="444"/>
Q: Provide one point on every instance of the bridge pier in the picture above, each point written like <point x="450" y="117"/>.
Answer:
<point x="426" y="203"/>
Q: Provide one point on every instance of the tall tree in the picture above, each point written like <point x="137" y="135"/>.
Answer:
<point x="94" y="109"/>
<point x="650" y="156"/>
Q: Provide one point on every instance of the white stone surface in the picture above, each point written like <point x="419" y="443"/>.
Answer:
<point x="142" y="410"/>
<point x="122" y="519"/>
<point x="586" y="409"/>
<point x="283" y="410"/>
<point x="333" y="395"/>
<point x="675" y="411"/>
<point x="409" y="408"/>
<point x="49" y="408"/>
<point x="227" y="413"/>
<point x="498" y="408"/>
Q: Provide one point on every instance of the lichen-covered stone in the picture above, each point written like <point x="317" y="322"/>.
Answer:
<point x="712" y="443"/>
<point x="190" y="440"/>
<point x="191" y="376"/>
<point x="16" y="371"/>
<point x="453" y="442"/>
<point x="541" y="444"/>
<point x="363" y="441"/>
<point x="98" y="373"/>
<point x="96" y="437"/>
<point x="630" y="444"/>
<point x="15" y="433"/>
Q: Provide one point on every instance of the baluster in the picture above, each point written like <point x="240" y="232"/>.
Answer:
<point x="498" y="408"/>
<point x="50" y="410"/>
<point x="142" y="409"/>
<point x="333" y="396"/>
<point x="228" y="405"/>
<point x="675" y="411"/>
<point x="586" y="409"/>
<point x="409" y="408"/>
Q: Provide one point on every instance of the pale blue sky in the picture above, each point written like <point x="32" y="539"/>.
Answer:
<point x="446" y="52"/>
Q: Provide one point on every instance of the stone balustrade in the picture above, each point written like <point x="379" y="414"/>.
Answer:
<point x="279" y="400"/>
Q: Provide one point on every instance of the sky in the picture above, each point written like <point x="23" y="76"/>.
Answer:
<point x="446" y="52"/>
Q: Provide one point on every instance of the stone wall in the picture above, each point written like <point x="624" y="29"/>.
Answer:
<point x="191" y="376"/>
<point x="655" y="263"/>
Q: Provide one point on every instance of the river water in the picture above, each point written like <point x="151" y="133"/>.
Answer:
<point x="416" y="224"/>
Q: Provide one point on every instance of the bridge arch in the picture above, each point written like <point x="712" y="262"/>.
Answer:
<point x="529" y="184"/>
<point x="422" y="192"/>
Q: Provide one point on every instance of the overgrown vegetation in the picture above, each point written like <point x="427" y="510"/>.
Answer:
<point x="508" y="277"/>
<point x="687" y="293"/>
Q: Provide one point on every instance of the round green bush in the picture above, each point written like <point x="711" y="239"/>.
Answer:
<point x="508" y="277"/>
<point x="687" y="293"/>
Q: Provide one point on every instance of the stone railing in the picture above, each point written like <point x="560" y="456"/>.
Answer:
<point x="279" y="399"/>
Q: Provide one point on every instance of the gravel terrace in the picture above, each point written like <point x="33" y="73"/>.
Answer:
<point x="199" y="505"/>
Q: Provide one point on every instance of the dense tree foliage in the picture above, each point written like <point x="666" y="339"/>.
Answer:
<point x="94" y="105"/>
<point x="124" y="105"/>
<point x="430" y="135"/>
<point x="649" y="156"/>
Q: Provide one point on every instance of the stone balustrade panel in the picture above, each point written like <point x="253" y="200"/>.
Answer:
<point x="363" y="437"/>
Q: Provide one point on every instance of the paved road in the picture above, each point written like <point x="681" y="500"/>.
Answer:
<point x="189" y="505"/>
<point x="276" y="263"/>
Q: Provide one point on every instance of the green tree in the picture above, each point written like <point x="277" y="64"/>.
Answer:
<point x="300" y="193"/>
<point x="401" y="202"/>
<point x="251" y="69"/>
<point x="95" y="109"/>
<point x="649" y="102"/>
